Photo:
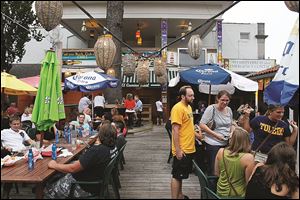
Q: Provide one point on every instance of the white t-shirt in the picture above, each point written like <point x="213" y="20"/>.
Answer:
<point x="14" y="140"/>
<point x="84" y="102"/>
<point x="99" y="101"/>
<point x="159" y="106"/>
<point x="25" y="117"/>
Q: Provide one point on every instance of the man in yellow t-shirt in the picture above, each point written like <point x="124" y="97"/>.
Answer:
<point x="183" y="140"/>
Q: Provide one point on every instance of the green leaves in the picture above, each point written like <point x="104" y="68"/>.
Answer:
<point x="17" y="18"/>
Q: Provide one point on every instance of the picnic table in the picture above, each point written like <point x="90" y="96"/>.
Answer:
<point x="19" y="172"/>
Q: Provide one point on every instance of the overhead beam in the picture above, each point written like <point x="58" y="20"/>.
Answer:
<point x="72" y="31"/>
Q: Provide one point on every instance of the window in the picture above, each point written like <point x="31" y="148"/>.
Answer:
<point x="245" y="36"/>
<point x="185" y="60"/>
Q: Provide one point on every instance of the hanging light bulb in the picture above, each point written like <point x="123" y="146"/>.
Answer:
<point x="139" y="41"/>
<point x="183" y="34"/>
<point x="92" y="33"/>
<point x="190" y="26"/>
<point x="83" y="28"/>
<point x="111" y="72"/>
<point x="137" y="34"/>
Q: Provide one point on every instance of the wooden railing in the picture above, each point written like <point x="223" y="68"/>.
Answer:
<point x="147" y="112"/>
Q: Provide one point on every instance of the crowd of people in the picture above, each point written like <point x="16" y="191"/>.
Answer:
<point x="110" y="138"/>
<point x="231" y="149"/>
<point x="219" y="144"/>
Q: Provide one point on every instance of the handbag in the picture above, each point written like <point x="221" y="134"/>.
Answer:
<point x="212" y="124"/>
<point x="225" y="166"/>
<point x="261" y="157"/>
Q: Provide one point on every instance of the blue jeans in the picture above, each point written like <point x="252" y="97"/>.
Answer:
<point x="211" y="152"/>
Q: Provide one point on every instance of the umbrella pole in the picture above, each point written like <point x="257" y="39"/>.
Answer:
<point x="92" y="106"/>
<point x="209" y="94"/>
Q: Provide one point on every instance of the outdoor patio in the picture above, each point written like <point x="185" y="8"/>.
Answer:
<point x="146" y="173"/>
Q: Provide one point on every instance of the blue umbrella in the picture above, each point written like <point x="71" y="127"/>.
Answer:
<point x="211" y="74"/>
<point x="215" y="78"/>
<point x="90" y="81"/>
<point x="284" y="88"/>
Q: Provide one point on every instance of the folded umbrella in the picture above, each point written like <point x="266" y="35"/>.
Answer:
<point x="48" y="106"/>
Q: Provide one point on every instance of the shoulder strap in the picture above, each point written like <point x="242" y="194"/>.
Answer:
<point x="213" y="115"/>
<point x="225" y="166"/>
<point x="264" y="141"/>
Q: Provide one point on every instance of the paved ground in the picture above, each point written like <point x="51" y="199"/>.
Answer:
<point x="147" y="173"/>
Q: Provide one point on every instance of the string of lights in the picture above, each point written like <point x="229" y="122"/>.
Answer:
<point x="155" y="53"/>
<point x="171" y="43"/>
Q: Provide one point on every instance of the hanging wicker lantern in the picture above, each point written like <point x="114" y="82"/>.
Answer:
<point x="159" y="67"/>
<point x="162" y="79"/>
<point x="49" y="13"/>
<point x="129" y="64"/>
<point x="142" y="72"/>
<point x="292" y="5"/>
<point x="105" y="51"/>
<point x="194" y="46"/>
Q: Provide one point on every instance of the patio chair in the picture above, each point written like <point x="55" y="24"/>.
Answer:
<point x="211" y="194"/>
<point x="102" y="183"/>
<point x="205" y="181"/>
<point x="116" y="173"/>
<point x="168" y="127"/>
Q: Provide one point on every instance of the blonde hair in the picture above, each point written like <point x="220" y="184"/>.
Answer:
<point x="28" y="110"/>
<point x="239" y="142"/>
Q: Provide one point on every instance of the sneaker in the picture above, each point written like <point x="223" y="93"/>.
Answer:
<point x="185" y="197"/>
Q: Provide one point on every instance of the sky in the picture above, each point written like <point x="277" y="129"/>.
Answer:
<point x="278" y="19"/>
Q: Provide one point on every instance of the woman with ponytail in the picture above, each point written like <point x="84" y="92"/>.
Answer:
<point x="276" y="179"/>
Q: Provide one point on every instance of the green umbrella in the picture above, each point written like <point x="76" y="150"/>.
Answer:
<point x="48" y="106"/>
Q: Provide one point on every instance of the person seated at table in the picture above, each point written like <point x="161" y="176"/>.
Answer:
<point x="120" y="137"/>
<point x="13" y="139"/>
<point x="120" y="118"/>
<point x="87" y="116"/>
<point x="89" y="167"/>
<point x="26" y="118"/>
<point x="138" y="111"/>
<point x="79" y="125"/>
<point x="12" y="109"/>
<point x="129" y="104"/>
<point x="107" y="116"/>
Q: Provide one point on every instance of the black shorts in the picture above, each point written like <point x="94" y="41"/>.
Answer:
<point x="182" y="168"/>
<point x="160" y="115"/>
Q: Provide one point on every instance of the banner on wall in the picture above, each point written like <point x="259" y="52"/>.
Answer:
<point x="219" y="37"/>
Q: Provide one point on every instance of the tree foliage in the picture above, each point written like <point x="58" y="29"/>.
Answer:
<point x="14" y="15"/>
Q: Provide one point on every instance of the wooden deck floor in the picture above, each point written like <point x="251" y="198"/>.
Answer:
<point x="147" y="173"/>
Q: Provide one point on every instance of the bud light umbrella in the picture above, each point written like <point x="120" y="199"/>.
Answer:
<point x="48" y="105"/>
<point x="284" y="88"/>
<point x="90" y="81"/>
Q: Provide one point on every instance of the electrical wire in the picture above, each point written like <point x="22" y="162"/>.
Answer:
<point x="15" y="21"/>
<point x="171" y="43"/>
